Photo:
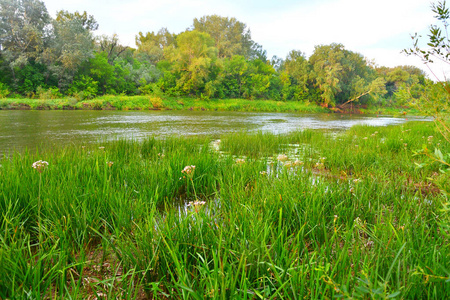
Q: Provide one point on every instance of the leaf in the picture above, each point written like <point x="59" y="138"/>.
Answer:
<point x="393" y="295"/>
<point x="438" y="154"/>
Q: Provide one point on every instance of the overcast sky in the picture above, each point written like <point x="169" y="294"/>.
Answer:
<point x="378" y="29"/>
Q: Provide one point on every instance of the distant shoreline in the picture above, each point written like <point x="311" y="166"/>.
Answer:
<point x="186" y="103"/>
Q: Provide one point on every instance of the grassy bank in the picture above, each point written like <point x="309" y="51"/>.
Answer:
<point x="304" y="215"/>
<point x="172" y="103"/>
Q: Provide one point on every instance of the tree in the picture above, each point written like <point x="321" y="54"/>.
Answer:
<point x="103" y="73"/>
<point x="70" y="45"/>
<point x="231" y="37"/>
<point x="192" y="59"/>
<point x="343" y="76"/>
<point x="236" y="76"/>
<point x="398" y="76"/>
<point x="23" y="31"/>
<point x="22" y="26"/>
<point x="327" y="69"/>
<point x="111" y="45"/>
<point x="152" y="46"/>
<point x="87" y="21"/>
<point x="296" y="72"/>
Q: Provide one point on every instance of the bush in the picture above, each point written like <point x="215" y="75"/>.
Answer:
<point x="50" y="93"/>
<point x="84" y="88"/>
<point x="4" y="91"/>
<point x="156" y="102"/>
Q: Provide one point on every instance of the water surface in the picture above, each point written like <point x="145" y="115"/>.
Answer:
<point x="27" y="129"/>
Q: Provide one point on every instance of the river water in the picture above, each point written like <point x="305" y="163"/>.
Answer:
<point x="28" y="129"/>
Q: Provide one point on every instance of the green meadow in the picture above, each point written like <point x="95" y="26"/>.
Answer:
<point x="313" y="214"/>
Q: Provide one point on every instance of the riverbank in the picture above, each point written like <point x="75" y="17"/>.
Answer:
<point x="301" y="215"/>
<point x="182" y="103"/>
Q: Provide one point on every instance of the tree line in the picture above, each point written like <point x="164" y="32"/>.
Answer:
<point x="215" y="57"/>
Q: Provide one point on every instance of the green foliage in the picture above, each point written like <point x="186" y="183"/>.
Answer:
<point x="295" y="76"/>
<point x="231" y="37"/>
<point x="192" y="60"/>
<point x="69" y="48"/>
<point x="87" y="21"/>
<point x="30" y="77"/>
<point x="343" y="76"/>
<point x="84" y="87"/>
<point x="4" y="90"/>
<point x="23" y="29"/>
<point x="433" y="99"/>
<point x="152" y="46"/>
<point x="50" y="93"/>
<point x="103" y="73"/>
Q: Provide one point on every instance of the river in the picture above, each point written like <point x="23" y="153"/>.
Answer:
<point x="28" y="129"/>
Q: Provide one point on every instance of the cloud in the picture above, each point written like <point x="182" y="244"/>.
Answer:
<point x="350" y="22"/>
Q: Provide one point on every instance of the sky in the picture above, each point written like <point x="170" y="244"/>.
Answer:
<point x="377" y="29"/>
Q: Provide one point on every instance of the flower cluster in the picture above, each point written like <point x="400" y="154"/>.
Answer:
<point x="298" y="163"/>
<point x="321" y="164"/>
<point x="240" y="161"/>
<point x="282" y="157"/>
<point x="188" y="171"/>
<point x="196" y="203"/>
<point x="216" y="145"/>
<point x="110" y="163"/>
<point x="288" y="164"/>
<point x="40" y="165"/>
<point x="358" y="222"/>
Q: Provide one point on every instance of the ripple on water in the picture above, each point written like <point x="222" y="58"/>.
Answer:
<point x="28" y="129"/>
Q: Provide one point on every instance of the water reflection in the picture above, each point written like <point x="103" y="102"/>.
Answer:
<point x="21" y="129"/>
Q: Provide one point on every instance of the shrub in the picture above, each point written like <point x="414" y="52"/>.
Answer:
<point x="4" y="91"/>
<point x="50" y="93"/>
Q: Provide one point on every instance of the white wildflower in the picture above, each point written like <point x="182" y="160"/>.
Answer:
<point x="188" y="171"/>
<point x="240" y="161"/>
<point x="282" y="157"/>
<point x="40" y="165"/>
<point x="298" y="163"/>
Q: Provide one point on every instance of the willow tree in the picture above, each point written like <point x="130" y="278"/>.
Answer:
<point x="343" y="76"/>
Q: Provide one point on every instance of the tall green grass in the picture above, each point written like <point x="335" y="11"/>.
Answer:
<point x="353" y="222"/>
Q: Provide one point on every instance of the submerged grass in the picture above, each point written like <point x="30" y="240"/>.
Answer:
<point x="342" y="215"/>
